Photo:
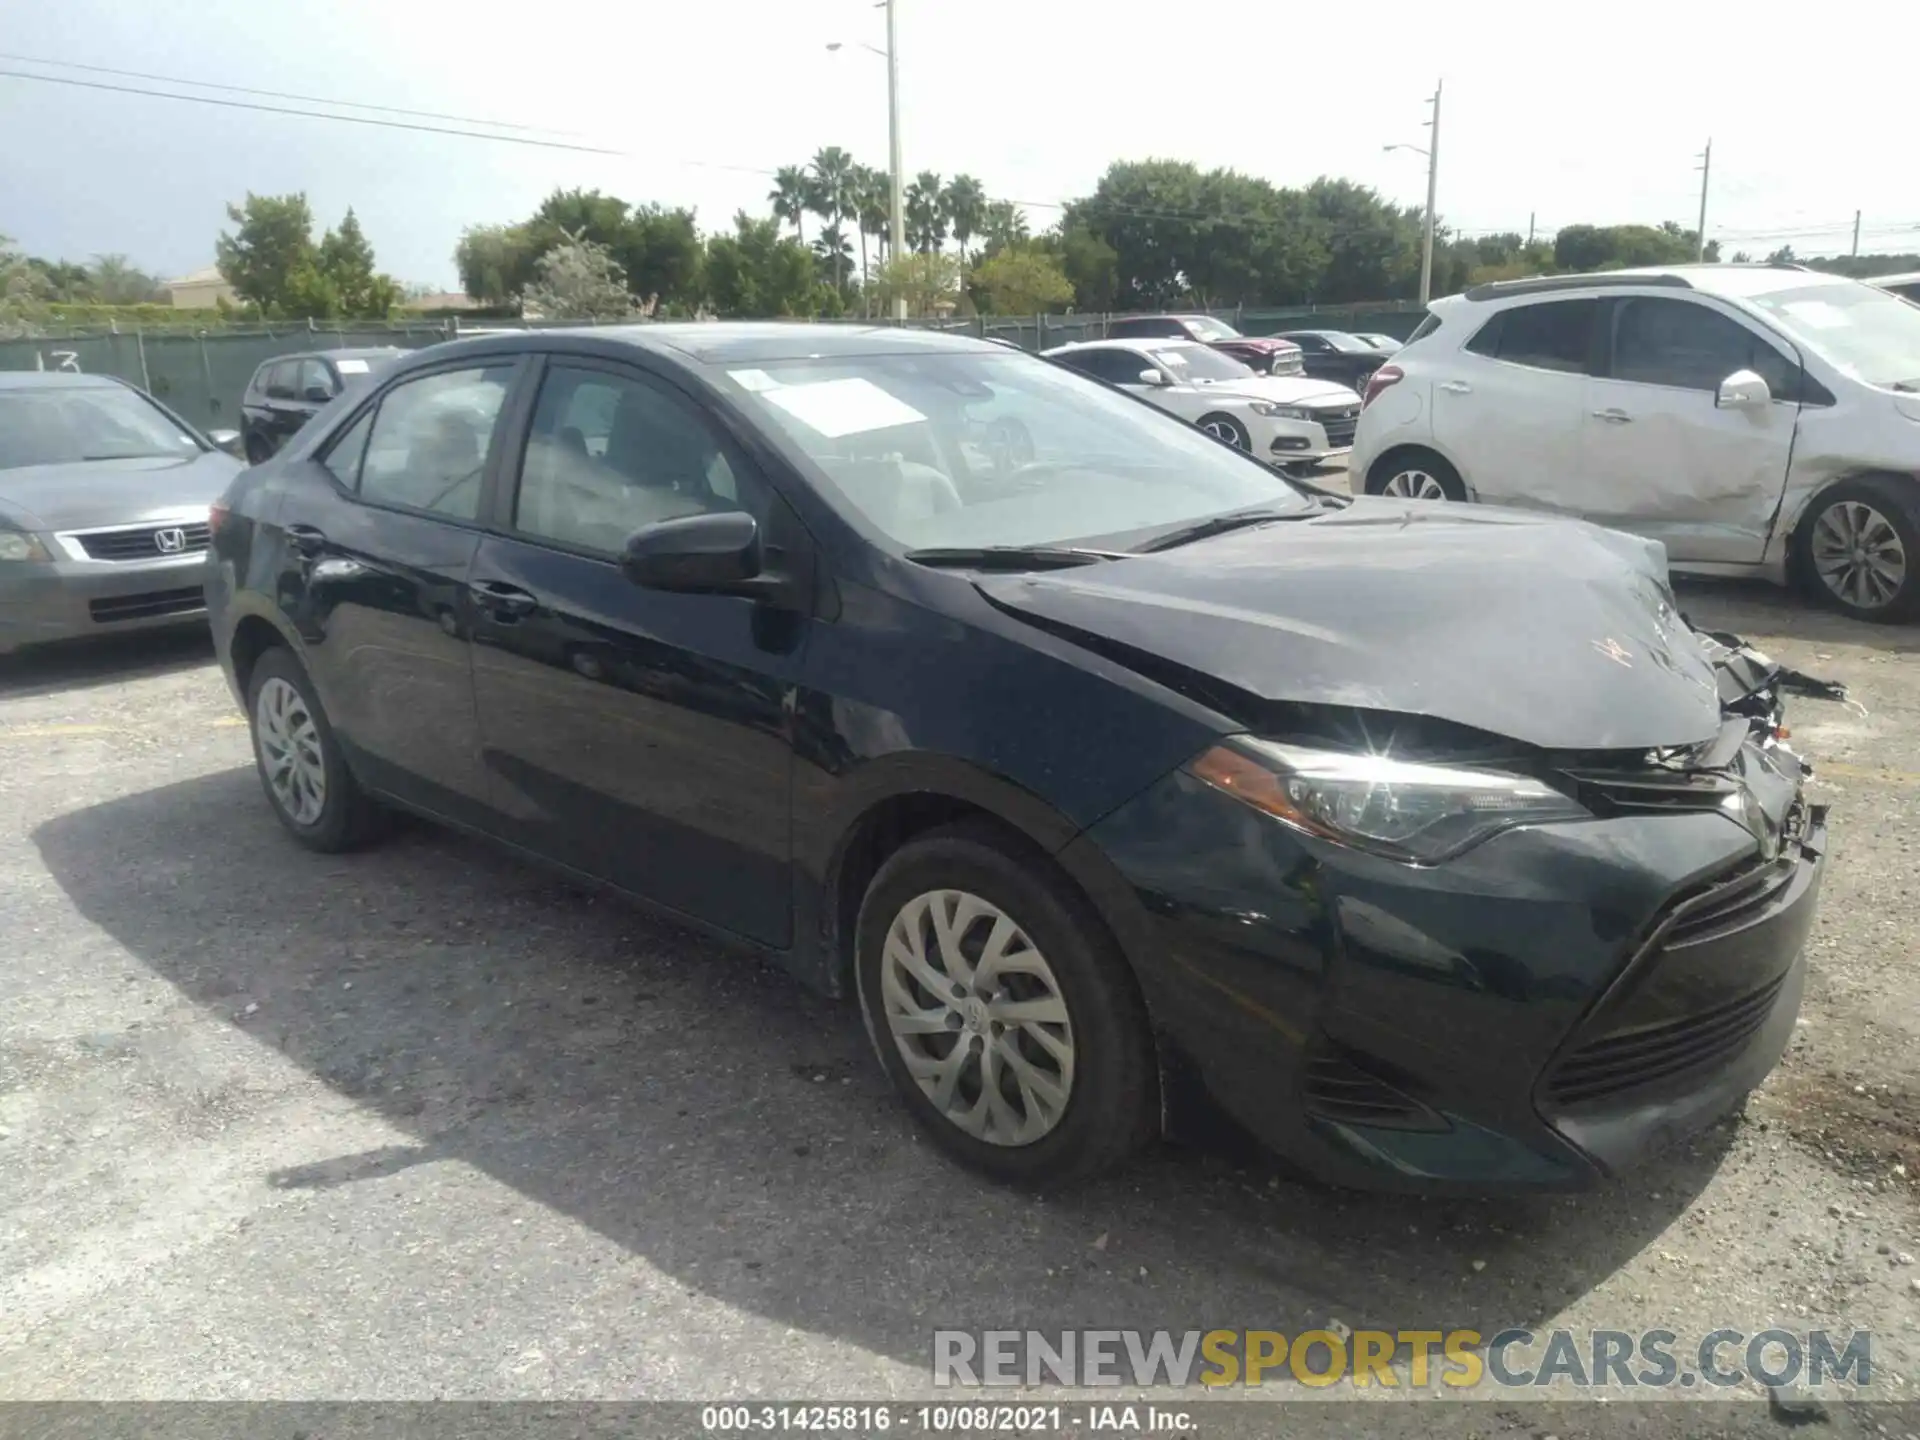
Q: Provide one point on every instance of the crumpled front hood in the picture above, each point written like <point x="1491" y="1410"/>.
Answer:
<point x="1552" y="632"/>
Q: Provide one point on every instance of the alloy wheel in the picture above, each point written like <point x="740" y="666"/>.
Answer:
<point x="1858" y="554"/>
<point x="1414" y="485"/>
<point x="290" y="753"/>
<point x="1224" y="430"/>
<point x="978" y="1017"/>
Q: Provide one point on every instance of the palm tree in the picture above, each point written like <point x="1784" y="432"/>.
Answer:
<point x="791" y="198"/>
<point x="834" y="250"/>
<point x="872" y="210"/>
<point x="832" y="176"/>
<point x="926" y="216"/>
<point x="966" y="205"/>
<point x="1004" y="225"/>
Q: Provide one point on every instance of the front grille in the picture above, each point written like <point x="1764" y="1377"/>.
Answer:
<point x="1730" y="904"/>
<point x="1340" y="424"/>
<point x="1627" y="1059"/>
<point x="142" y="542"/>
<point x="1337" y="1089"/>
<point x="1286" y="364"/>
<point x="148" y="605"/>
<point x="1652" y="791"/>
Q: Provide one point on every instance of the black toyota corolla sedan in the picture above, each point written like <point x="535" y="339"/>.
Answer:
<point x="1117" y="779"/>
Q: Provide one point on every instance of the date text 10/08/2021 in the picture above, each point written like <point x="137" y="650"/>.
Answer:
<point x="963" y="1419"/>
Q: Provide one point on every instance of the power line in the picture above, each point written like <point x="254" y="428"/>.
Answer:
<point x="280" y="94"/>
<point x="314" y="114"/>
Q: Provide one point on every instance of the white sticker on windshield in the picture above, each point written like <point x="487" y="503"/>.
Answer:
<point x="754" y="380"/>
<point x="1170" y="357"/>
<point x="843" y="407"/>
<point x="1818" y="315"/>
<point x="351" y="367"/>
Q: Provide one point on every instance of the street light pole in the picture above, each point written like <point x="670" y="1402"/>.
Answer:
<point x="1433" y="177"/>
<point x="897" y="220"/>
<point x="1706" y="171"/>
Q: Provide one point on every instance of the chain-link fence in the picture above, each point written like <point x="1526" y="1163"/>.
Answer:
<point x="201" y="374"/>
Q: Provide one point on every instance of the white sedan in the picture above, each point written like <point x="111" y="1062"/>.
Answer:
<point x="1285" y="420"/>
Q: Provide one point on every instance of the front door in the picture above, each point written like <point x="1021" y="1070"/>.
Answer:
<point x="1660" y="457"/>
<point x="1507" y="411"/>
<point x="380" y="531"/>
<point x="638" y="736"/>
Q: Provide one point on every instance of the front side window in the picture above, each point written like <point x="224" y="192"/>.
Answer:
<point x="70" y="426"/>
<point x="431" y="438"/>
<point x="1552" y="335"/>
<point x="280" y="380"/>
<point x="342" y="459"/>
<point x="1678" y="343"/>
<point x="611" y="453"/>
<point x="969" y="449"/>
<point x="315" y="382"/>
<point x="1862" y="330"/>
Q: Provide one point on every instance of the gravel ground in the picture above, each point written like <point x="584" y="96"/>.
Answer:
<point x="424" y="1123"/>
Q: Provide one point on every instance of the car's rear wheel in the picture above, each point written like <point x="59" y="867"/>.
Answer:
<point x="1859" y="548"/>
<point x="1415" y="475"/>
<point x="1225" y="427"/>
<point x="1002" y="1011"/>
<point x="313" y="793"/>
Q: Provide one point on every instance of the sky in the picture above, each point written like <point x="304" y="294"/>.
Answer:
<point x="1546" y="120"/>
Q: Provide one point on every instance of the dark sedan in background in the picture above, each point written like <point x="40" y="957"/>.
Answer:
<point x="290" y="390"/>
<point x="104" y="495"/>
<point x="1265" y="354"/>
<point x="1336" y="355"/>
<point x="1111" y="772"/>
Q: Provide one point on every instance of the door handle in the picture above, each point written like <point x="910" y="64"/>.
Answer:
<point x="309" y="540"/>
<point x="1456" y="387"/>
<point x="1613" y="417"/>
<point x="504" y="602"/>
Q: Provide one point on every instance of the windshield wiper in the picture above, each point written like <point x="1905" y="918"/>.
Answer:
<point x="1220" y="525"/>
<point x="1013" y="557"/>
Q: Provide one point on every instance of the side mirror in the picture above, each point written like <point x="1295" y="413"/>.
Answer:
<point x="318" y="394"/>
<point x="1152" y="377"/>
<point x="717" y="554"/>
<point x="1743" y="390"/>
<point x="229" y="441"/>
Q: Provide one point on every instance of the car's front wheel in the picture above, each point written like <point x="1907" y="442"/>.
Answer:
<point x="258" y="451"/>
<point x="1859" y="548"/>
<point x="1225" y="427"/>
<point x="1002" y="1012"/>
<point x="313" y="793"/>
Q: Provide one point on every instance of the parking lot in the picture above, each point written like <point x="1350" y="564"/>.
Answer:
<point x="424" y="1122"/>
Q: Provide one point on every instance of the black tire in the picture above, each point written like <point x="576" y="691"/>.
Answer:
<point x="1112" y="1104"/>
<point x="258" y="451"/>
<point x="346" y="818"/>
<point x="1896" y="503"/>
<point x="1413" y="462"/>
<point x="1227" y="430"/>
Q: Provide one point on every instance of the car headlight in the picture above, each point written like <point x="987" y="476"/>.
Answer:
<point x="17" y="545"/>
<point x="1403" y="809"/>
<point x="1281" y="412"/>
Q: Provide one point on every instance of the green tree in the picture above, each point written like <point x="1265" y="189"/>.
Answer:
<point x="925" y="213"/>
<point x="1090" y="264"/>
<point x="791" y="198"/>
<point x="1027" y="281"/>
<point x="495" y="262"/>
<point x="661" y="252"/>
<point x="578" y="279"/>
<point x="965" y="202"/>
<point x="758" y="271"/>
<point x="1003" y="227"/>
<point x="346" y="261"/>
<point x="873" y="212"/>
<point x="835" y="252"/>
<point x="270" y="259"/>
<point x="117" y="281"/>
<point x="836" y="198"/>
<point x="929" y="282"/>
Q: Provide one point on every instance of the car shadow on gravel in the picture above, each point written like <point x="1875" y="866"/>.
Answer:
<point x="700" y="1109"/>
<point x="82" y="664"/>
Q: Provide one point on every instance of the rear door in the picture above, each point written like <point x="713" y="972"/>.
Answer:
<point x="636" y="735"/>
<point x="380" y="530"/>
<point x="1660" y="457"/>
<point x="1507" y="407"/>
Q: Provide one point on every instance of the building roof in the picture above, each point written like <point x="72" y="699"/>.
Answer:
<point x="209" y="276"/>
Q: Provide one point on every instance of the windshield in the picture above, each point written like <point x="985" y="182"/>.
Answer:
<point x="1869" y="334"/>
<point x="1198" y="364"/>
<point x="1205" y="327"/>
<point x="969" y="450"/>
<point x="71" y="426"/>
<point x="1341" y="340"/>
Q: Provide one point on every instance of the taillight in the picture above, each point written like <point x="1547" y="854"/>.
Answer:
<point x="1380" y="381"/>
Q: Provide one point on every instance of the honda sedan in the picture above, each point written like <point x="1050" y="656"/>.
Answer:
<point x="1072" y="762"/>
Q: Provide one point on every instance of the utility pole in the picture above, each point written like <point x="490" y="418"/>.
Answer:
<point x="1433" y="175"/>
<point x="1856" y="234"/>
<point x="1706" y="171"/>
<point x="1530" y="218"/>
<point x="897" y="221"/>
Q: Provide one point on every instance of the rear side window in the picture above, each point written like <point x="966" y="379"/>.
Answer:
<point x="1553" y="335"/>
<point x="314" y="380"/>
<point x="431" y="438"/>
<point x="280" y="380"/>
<point x="1425" y="328"/>
<point x="1677" y="343"/>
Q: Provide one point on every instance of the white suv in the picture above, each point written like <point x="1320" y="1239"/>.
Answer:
<point x="1757" y="420"/>
<point x="1286" y="420"/>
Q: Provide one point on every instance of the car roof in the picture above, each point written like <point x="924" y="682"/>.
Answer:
<point x="1729" y="280"/>
<point x="361" y="352"/>
<point x="1905" y="277"/>
<point x="55" y="380"/>
<point x="732" y="343"/>
<point x="1129" y="342"/>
